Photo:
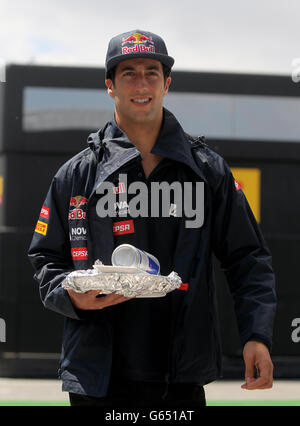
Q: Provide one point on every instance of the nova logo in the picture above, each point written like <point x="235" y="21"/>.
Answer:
<point x="77" y="234"/>
<point x="122" y="208"/>
<point x="78" y="231"/>
<point x="2" y="331"/>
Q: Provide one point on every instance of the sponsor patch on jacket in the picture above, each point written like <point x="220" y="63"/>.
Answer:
<point x="76" y="204"/>
<point x="77" y="214"/>
<point x="121" y="188"/>
<point x="77" y="201"/>
<point x="124" y="227"/>
<point x="41" y="227"/>
<point x="78" y="233"/>
<point x="238" y="185"/>
<point x="184" y="287"/>
<point x="45" y="212"/>
<point x="79" y="253"/>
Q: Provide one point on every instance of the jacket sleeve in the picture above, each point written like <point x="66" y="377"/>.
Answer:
<point x="50" y="252"/>
<point x="246" y="260"/>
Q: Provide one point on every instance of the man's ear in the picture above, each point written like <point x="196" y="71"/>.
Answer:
<point x="167" y="85"/>
<point x="110" y="87"/>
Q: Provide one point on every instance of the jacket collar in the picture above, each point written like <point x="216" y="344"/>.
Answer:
<point x="172" y="142"/>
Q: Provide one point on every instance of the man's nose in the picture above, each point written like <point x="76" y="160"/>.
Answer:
<point x="140" y="81"/>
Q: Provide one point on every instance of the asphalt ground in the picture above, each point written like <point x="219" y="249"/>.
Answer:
<point x="223" y="392"/>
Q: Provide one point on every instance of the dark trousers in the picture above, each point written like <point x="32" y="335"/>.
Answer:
<point x="145" y="395"/>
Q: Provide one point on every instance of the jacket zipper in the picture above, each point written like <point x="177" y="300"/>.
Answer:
<point x="96" y="184"/>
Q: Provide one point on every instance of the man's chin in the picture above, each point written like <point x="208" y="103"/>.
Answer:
<point x="143" y="117"/>
<point x="139" y="116"/>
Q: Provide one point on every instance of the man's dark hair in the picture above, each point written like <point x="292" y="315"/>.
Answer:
<point x="111" y="73"/>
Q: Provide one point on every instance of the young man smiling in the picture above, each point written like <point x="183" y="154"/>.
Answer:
<point x="151" y="352"/>
<point x="138" y="89"/>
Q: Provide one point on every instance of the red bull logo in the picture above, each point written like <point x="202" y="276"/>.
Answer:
<point x="77" y="214"/>
<point x="78" y="201"/>
<point x="137" y="38"/>
<point x="119" y="189"/>
<point x="140" y="42"/>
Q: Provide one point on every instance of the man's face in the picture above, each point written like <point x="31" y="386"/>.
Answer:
<point x="138" y="90"/>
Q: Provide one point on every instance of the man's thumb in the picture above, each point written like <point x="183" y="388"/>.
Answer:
<point x="249" y="368"/>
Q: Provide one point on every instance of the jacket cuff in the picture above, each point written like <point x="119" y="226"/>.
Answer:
<point x="260" y="338"/>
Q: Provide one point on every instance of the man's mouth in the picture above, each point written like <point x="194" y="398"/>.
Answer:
<point x="141" y="101"/>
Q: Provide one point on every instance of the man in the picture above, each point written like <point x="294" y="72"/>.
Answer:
<point x="153" y="351"/>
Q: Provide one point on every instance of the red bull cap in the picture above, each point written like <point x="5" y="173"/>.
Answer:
<point x="136" y="44"/>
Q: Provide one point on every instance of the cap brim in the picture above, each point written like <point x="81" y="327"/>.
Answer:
<point x="166" y="60"/>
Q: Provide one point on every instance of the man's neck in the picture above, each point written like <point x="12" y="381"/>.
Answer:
<point x="142" y="135"/>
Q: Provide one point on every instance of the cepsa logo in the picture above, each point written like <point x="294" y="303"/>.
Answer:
<point x="79" y="253"/>
<point x="124" y="227"/>
<point x="140" y="42"/>
<point x="76" y="203"/>
<point x="45" y="212"/>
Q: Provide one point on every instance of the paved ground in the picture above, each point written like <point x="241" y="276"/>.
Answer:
<point x="228" y="390"/>
<point x="50" y="390"/>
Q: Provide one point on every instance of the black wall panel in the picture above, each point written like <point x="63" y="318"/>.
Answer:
<point x="30" y="327"/>
<point x="280" y="212"/>
<point x="27" y="180"/>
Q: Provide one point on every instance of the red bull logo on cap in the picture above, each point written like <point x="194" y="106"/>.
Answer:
<point x="141" y="43"/>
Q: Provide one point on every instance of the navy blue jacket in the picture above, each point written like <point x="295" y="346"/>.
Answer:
<point x="230" y="231"/>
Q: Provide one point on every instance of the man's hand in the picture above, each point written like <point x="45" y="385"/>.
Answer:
<point x="90" y="301"/>
<point x="256" y="355"/>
